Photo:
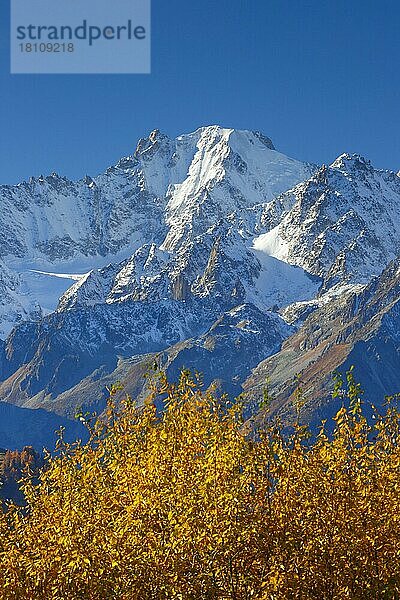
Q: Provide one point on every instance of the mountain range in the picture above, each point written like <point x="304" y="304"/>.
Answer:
<point x="211" y="251"/>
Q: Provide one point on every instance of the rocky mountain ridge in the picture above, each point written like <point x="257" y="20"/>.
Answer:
<point x="359" y="328"/>
<point x="213" y="250"/>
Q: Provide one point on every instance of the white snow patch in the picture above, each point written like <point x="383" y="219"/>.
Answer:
<point x="280" y="284"/>
<point x="272" y="244"/>
<point x="47" y="288"/>
<point x="72" y="276"/>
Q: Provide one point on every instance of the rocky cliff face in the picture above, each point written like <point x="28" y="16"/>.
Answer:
<point x="357" y="328"/>
<point x="166" y="189"/>
<point x="212" y="250"/>
<point x="342" y="224"/>
<point x="165" y="195"/>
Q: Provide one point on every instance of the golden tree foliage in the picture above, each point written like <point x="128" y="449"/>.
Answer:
<point x="185" y="506"/>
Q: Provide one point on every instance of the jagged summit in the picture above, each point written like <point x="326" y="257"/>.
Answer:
<point x="169" y="192"/>
<point x="53" y="220"/>
<point x="179" y="195"/>
<point x="156" y="140"/>
<point x="152" y="143"/>
<point x="159" y="141"/>
<point x="342" y="224"/>
<point x="348" y="162"/>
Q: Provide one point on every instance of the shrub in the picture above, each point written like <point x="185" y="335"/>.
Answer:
<point x="185" y="506"/>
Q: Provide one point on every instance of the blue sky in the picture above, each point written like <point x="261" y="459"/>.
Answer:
<point x="318" y="77"/>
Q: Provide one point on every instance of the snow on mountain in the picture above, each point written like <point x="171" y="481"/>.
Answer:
<point x="168" y="192"/>
<point x="51" y="220"/>
<point x="47" y="288"/>
<point x="342" y="224"/>
<point x="204" y="247"/>
<point x="16" y="302"/>
<point x="219" y="266"/>
<point x="230" y="171"/>
<point x="357" y="327"/>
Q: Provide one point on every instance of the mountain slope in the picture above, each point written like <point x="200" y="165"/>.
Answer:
<point x="20" y="427"/>
<point x="16" y="302"/>
<point x="212" y="251"/>
<point x="224" y="355"/>
<point x="342" y="225"/>
<point x="360" y="329"/>
<point x="167" y="191"/>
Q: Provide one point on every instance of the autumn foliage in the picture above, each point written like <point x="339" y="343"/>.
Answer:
<point x="13" y="465"/>
<point x="192" y="505"/>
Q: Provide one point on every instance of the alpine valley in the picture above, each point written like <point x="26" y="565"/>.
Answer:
<point x="212" y="251"/>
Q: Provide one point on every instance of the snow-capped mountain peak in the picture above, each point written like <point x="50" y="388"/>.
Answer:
<point x="215" y="212"/>
<point x="169" y="192"/>
<point x="202" y="248"/>
<point x="342" y="224"/>
<point x="351" y="162"/>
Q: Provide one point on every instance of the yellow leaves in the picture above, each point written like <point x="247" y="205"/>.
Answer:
<point x="340" y="416"/>
<point x="186" y="506"/>
<point x="171" y="518"/>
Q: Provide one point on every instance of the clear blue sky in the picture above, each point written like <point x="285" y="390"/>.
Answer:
<point x="318" y="77"/>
